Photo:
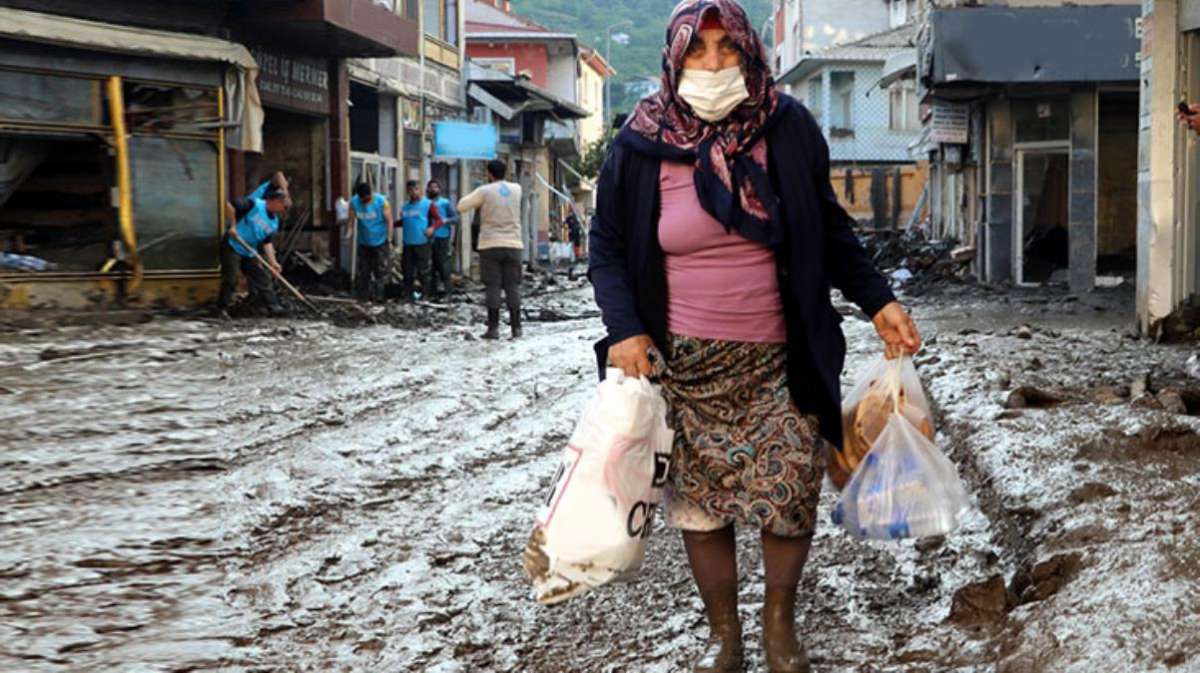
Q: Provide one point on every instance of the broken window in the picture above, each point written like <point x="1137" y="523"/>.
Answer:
<point x="58" y="171"/>
<point x="46" y="99"/>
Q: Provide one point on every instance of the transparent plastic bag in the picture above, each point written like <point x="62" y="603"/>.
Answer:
<point x="904" y="487"/>
<point x="886" y="387"/>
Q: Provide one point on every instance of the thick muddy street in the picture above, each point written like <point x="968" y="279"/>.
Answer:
<point x="259" y="495"/>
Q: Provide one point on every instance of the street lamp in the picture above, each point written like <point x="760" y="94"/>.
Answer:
<point x="608" y="80"/>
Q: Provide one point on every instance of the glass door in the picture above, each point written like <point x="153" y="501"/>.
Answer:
<point x="1041" y="242"/>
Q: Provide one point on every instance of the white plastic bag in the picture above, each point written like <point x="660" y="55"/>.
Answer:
<point x="905" y="487"/>
<point x="594" y="526"/>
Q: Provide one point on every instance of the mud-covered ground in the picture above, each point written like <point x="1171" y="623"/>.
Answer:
<point x="297" y="495"/>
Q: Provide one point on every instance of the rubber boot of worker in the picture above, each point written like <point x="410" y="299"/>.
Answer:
<point x="781" y="650"/>
<point x="724" y="653"/>
<point x="514" y="320"/>
<point x="493" y="325"/>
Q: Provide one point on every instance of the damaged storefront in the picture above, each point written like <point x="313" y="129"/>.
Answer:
<point x="296" y="97"/>
<point x="1033" y="150"/>
<point x="112" y="151"/>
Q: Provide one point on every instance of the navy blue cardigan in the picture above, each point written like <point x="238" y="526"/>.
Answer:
<point x="820" y="250"/>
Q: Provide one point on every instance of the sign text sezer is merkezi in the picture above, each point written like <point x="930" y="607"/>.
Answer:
<point x="298" y="83"/>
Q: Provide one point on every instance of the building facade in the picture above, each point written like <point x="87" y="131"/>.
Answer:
<point x="863" y="94"/>
<point x="804" y="27"/>
<point x="200" y="101"/>
<point x="1033" y="151"/>
<point x="1168" y="171"/>
<point x="545" y="67"/>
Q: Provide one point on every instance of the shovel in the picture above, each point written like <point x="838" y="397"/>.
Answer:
<point x="278" y="276"/>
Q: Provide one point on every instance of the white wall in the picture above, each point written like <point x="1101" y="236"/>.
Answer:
<point x="825" y="23"/>
<point x="562" y="75"/>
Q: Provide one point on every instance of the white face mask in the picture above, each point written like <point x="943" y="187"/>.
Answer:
<point x="713" y="95"/>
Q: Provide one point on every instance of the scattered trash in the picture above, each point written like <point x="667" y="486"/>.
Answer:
<point x="916" y="263"/>
<point x="10" y="260"/>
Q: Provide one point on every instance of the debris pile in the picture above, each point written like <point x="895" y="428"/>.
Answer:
<point x="916" y="263"/>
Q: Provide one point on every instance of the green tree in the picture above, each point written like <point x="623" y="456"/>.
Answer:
<point x="593" y="156"/>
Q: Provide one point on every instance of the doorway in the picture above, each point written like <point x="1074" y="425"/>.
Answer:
<point x="1042" y="241"/>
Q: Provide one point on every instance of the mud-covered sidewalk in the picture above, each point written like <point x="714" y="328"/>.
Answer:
<point x="298" y="495"/>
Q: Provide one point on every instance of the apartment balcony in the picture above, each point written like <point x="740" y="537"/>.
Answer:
<point x="335" y="28"/>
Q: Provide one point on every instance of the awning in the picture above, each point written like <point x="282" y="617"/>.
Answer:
<point x="516" y="94"/>
<point x="897" y="67"/>
<point x="1001" y="45"/>
<point x="243" y="107"/>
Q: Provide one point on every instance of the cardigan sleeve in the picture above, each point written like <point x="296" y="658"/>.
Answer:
<point x="607" y="267"/>
<point x="850" y="269"/>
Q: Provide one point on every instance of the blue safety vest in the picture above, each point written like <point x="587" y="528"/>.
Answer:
<point x="416" y="221"/>
<point x="444" y="207"/>
<point x="256" y="226"/>
<point x="372" y="226"/>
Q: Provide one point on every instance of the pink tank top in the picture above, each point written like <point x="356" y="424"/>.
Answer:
<point x="719" y="285"/>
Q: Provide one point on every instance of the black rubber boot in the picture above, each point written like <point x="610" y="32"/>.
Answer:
<point x="514" y="320"/>
<point x="493" y="325"/>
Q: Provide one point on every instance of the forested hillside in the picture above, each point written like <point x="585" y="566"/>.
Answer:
<point x="643" y="20"/>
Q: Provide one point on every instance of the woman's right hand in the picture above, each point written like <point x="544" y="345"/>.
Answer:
<point x="632" y="356"/>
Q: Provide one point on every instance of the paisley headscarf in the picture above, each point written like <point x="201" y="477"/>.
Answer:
<point x="730" y="154"/>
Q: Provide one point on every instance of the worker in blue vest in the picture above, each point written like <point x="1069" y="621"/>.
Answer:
<point x="442" y="240"/>
<point x="372" y="214"/>
<point x="256" y="219"/>
<point x="420" y="218"/>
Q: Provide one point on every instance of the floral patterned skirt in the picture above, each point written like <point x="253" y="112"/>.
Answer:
<point x="743" y="453"/>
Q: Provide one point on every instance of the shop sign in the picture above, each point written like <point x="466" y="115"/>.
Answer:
<point x="464" y="140"/>
<point x="950" y="123"/>
<point x="298" y="83"/>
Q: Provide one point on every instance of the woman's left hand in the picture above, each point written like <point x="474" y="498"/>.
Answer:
<point x="897" y="330"/>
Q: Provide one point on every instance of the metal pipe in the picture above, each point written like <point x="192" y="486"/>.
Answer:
<point x="116" y="111"/>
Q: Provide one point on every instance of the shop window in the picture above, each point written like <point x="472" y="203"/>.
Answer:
<point x="57" y="173"/>
<point x="175" y="201"/>
<point x="56" y="203"/>
<point x="50" y="100"/>
<point x="154" y="108"/>
<point x="1040" y="120"/>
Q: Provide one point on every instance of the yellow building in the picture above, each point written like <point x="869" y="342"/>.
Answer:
<point x="593" y="71"/>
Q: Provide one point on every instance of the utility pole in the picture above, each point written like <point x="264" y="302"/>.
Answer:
<point x="608" y="80"/>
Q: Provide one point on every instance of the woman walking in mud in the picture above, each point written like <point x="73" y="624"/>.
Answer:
<point x="716" y="240"/>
